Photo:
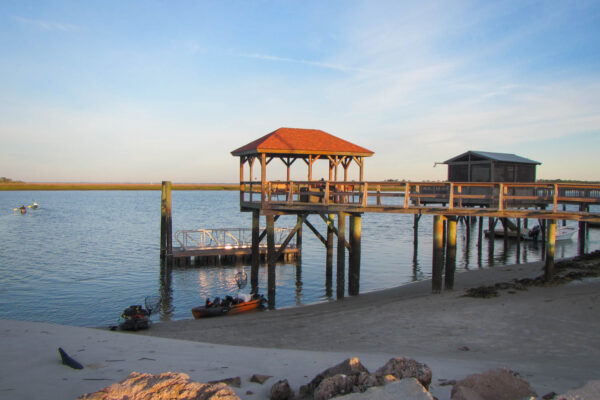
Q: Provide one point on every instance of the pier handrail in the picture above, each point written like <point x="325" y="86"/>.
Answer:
<point x="224" y="238"/>
<point x="453" y="195"/>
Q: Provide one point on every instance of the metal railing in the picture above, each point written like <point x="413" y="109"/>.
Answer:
<point x="227" y="238"/>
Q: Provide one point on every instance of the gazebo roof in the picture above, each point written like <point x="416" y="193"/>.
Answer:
<point x="295" y="141"/>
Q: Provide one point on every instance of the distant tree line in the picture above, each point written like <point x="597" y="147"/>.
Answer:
<point x="7" y="180"/>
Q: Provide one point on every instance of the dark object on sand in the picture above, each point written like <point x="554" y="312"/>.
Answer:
<point x="67" y="360"/>
<point x="229" y="306"/>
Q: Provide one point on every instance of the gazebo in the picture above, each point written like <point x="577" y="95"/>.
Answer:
<point x="310" y="146"/>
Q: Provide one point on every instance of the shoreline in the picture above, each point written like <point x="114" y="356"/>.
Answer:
<point x="547" y="334"/>
<point x="57" y="186"/>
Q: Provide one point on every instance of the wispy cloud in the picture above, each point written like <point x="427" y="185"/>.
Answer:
<point x="319" y="64"/>
<point x="45" y="25"/>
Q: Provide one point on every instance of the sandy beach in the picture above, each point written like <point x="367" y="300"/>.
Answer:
<point x="550" y="335"/>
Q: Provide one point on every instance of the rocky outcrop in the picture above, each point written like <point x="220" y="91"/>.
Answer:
<point x="348" y="376"/>
<point x="281" y="391"/>
<point x="400" y="368"/>
<point x="406" y="389"/>
<point x="168" y="385"/>
<point x="502" y="384"/>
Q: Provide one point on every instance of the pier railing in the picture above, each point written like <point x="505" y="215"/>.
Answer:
<point x="228" y="238"/>
<point x="500" y="196"/>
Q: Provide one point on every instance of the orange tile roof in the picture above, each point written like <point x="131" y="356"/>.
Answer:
<point x="301" y="142"/>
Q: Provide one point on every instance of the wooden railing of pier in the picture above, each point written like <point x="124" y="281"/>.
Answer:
<point x="518" y="200"/>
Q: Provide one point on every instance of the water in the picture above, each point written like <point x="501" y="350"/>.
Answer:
<point x="84" y="256"/>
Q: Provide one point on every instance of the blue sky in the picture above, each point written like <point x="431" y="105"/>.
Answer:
<point x="143" y="91"/>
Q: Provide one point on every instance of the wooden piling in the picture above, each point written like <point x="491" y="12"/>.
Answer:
<point x="329" y="257"/>
<point x="255" y="260"/>
<point x="450" y="253"/>
<point x="341" y="256"/>
<point x="271" y="261"/>
<point x="166" y="224"/>
<point x="582" y="234"/>
<point x="354" y="256"/>
<point x="438" y="254"/>
<point x="550" y="245"/>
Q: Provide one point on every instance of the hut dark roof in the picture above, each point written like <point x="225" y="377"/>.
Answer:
<point x="488" y="155"/>
<point x="301" y="142"/>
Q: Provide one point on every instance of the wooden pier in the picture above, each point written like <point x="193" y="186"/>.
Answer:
<point x="341" y="201"/>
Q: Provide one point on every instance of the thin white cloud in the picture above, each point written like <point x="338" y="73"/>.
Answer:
<point x="45" y="25"/>
<point x="319" y="64"/>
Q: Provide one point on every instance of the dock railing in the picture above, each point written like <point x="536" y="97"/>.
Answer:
<point x="227" y="238"/>
<point x="500" y="196"/>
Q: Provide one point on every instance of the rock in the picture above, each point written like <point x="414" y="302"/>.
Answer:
<point x="501" y="384"/>
<point x="591" y="390"/>
<point x="281" y="391"/>
<point x="235" y="382"/>
<point x="168" y="385"/>
<point x="348" y="367"/>
<point x="334" y="386"/>
<point x="365" y="381"/>
<point x="257" y="378"/>
<point x="401" y="368"/>
<point x="408" y="388"/>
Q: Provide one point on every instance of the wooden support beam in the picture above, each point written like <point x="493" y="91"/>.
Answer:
<point x="264" y="232"/>
<point x="341" y="255"/>
<point x="271" y="260"/>
<point x="290" y="235"/>
<point x="166" y="224"/>
<point x="354" y="255"/>
<point x="331" y="225"/>
<point x="255" y="261"/>
<point x="299" y="237"/>
<point x="450" y="254"/>
<point x="438" y="254"/>
<point x="550" y="246"/>
<point x="315" y="231"/>
<point x="329" y="255"/>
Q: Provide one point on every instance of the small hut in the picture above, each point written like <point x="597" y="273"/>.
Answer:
<point x="485" y="166"/>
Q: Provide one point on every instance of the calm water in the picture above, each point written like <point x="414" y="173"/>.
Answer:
<point x="84" y="256"/>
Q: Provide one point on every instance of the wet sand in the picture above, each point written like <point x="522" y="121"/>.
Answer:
<point x="550" y="335"/>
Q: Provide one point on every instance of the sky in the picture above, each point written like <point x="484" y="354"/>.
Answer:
<point x="144" y="91"/>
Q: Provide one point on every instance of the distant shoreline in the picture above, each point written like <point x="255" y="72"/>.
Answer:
<point x="20" y="186"/>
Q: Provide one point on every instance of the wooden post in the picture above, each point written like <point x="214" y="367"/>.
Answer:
<point x="255" y="260"/>
<point x="354" y="257"/>
<point x="450" y="254"/>
<point x="480" y="233"/>
<point x="329" y="257"/>
<point x="582" y="234"/>
<point x="551" y="241"/>
<point x="166" y="224"/>
<point x="518" y="241"/>
<point x="341" y="256"/>
<point x="299" y="238"/>
<point x="271" y="261"/>
<point x="438" y="254"/>
<point x="416" y="219"/>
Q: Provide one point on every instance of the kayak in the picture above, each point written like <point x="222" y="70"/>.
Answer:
<point x="231" y="309"/>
